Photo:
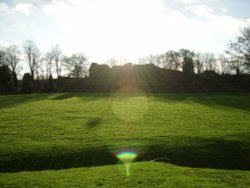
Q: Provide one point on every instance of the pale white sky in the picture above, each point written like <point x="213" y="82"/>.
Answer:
<point x="123" y="28"/>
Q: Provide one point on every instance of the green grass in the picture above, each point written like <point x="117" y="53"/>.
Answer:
<point x="145" y="174"/>
<point x="60" y="131"/>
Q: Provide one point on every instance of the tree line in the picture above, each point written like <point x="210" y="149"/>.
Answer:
<point x="43" y="66"/>
<point x="235" y="60"/>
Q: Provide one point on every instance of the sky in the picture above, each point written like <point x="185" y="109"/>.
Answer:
<point x="123" y="29"/>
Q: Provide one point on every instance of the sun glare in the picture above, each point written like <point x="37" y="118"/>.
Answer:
<point x="112" y="28"/>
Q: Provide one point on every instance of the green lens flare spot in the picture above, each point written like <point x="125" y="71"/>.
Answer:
<point x="127" y="157"/>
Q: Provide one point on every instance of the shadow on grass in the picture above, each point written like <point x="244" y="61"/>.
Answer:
<point x="63" y="96"/>
<point x="203" y="153"/>
<point x="200" y="153"/>
<point x="88" y="157"/>
<point x="9" y="101"/>
<point x="83" y="96"/>
<point x="94" y="122"/>
<point x="238" y="101"/>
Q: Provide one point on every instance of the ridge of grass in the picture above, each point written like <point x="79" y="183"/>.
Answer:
<point x="143" y="174"/>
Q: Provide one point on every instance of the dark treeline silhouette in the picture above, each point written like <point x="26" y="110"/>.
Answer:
<point x="147" y="78"/>
<point x="181" y="70"/>
<point x="151" y="78"/>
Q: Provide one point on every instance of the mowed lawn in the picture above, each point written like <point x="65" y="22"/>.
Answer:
<point x="71" y="139"/>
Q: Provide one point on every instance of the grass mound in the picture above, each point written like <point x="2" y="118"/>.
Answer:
<point x="69" y="130"/>
<point x="143" y="174"/>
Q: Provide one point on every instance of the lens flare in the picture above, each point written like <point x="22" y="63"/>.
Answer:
<point x="127" y="157"/>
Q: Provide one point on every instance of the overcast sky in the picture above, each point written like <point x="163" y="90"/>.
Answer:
<point x="123" y="28"/>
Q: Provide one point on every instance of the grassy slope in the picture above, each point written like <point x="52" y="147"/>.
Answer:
<point x="53" y="131"/>
<point x="145" y="174"/>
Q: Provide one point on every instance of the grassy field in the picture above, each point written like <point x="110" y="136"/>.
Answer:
<point x="143" y="174"/>
<point x="191" y="132"/>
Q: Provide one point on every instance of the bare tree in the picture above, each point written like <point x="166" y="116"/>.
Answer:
<point x="172" y="60"/>
<point x="157" y="60"/>
<point x="42" y="68"/>
<point x="76" y="65"/>
<point x="239" y="51"/>
<point x="150" y="59"/>
<point x="13" y="57"/>
<point x="57" y="55"/>
<point x="2" y="56"/>
<point x="224" y="62"/>
<point x="208" y="61"/>
<point x="161" y="61"/>
<point x="48" y="59"/>
<point x="32" y="54"/>
<point x="236" y="63"/>
<point x="198" y="65"/>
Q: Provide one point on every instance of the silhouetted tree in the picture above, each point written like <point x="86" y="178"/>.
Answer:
<point x="198" y="65"/>
<point x="236" y="64"/>
<point x="27" y="83"/>
<point x="5" y="78"/>
<point x="12" y="58"/>
<point x="51" y="85"/>
<point x="151" y="59"/>
<point x="32" y="54"/>
<point x="2" y="57"/>
<point x="172" y="60"/>
<point x="76" y="65"/>
<point x="159" y="60"/>
<point x="14" y="80"/>
<point x="239" y="51"/>
<point x="205" y="62"/>
<point x="188" y="66"/>
<point x="209" y="61"/>
<point x="187" y="61"/>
